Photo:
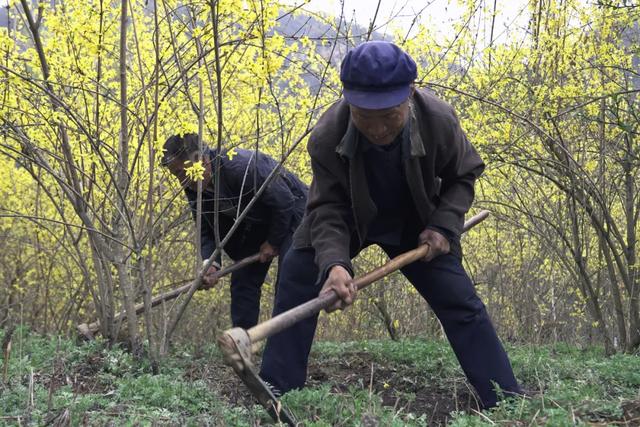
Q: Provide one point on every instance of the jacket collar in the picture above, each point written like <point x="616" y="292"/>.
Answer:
<point x="349" y="143"/>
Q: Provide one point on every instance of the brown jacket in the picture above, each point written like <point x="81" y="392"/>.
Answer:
<point x="441" y="167"/>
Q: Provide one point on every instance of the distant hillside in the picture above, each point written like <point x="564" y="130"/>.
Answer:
<point x="325" y="35"/>
<point x="317" y="28"/>
<point x="4" y="18"/>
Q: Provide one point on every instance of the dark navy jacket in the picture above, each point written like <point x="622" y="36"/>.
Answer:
<point x="278" y="210"/>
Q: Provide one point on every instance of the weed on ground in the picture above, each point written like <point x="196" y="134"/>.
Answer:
<point x="56" y="381"/>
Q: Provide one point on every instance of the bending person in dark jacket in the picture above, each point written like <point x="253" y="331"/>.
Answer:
<point x="267" y="228"/>
<point x="391" y="167"/>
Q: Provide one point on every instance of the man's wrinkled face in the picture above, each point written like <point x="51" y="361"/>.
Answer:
<point x="177" y="169"/>
<point x="381" y="127"/>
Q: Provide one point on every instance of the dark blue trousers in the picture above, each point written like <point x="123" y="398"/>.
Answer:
<point x="443" y="283"/>
<point x="246" y="290"/>
<point x="246" y="283"/>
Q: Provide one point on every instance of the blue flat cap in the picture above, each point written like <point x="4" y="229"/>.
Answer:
<point x="377" y="75"/>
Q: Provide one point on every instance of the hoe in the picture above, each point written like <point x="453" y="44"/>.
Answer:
<point x="236" y="343"/>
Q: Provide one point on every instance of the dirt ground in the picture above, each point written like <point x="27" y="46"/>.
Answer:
<point x="400" y="389"/>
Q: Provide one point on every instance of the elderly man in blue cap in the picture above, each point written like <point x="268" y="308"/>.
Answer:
<point x="391" y="167"/>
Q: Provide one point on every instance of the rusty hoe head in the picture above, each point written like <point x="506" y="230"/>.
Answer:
<point x="235" y="345"/>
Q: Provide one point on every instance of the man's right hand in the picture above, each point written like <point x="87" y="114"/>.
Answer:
<point x="210" y="279"/>
<point x="340" y="281"/>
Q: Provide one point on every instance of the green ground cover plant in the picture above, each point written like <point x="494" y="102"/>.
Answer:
<point x="56" y="381"/>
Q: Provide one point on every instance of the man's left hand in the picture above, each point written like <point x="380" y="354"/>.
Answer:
<point x="438" y="244"/>
<point x="267" y="252"/>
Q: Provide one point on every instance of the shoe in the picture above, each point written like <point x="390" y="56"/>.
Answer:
<point x="275" y="390"/>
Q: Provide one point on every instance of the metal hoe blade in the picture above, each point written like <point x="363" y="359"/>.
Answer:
<point x="236" y="348"/>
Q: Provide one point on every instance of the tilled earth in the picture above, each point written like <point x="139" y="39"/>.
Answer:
<point x="399" y="387"/>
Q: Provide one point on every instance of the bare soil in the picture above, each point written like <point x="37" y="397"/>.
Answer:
<point x="83" y="378"/>
<point x="399" y="387"/>
<point x="631" y="415"/>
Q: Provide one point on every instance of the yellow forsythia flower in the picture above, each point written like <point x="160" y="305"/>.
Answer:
<point x="195" y="172"/>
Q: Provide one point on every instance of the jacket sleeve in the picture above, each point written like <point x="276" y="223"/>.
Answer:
<point x="207" y="235"/>
<point x="278" y="198"/>
<point x="329" y="211"/>
<point x="461" y="166"/>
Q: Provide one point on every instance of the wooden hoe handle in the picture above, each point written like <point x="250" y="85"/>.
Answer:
<point x="290" y="317"/>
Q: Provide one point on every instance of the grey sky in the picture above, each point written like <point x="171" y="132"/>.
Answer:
<point x="510" y="18"/>
<point x="511" y="15"/>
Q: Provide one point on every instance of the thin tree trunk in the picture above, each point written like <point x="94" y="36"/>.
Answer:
<point x="122" y="184"/>
<point x="148" y="268"/>
<point x="630" y="250"/>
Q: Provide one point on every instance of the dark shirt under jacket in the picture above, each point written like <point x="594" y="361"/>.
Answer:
<point x="388" y="190"/>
